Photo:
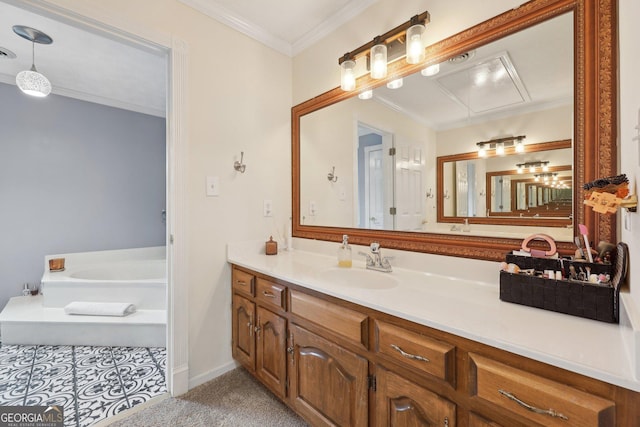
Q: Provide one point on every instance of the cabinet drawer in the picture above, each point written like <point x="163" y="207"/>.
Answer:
<point x="242" y="282"/>
<point x="270" y="293"/>
<point x="340" y="320"/>
<point x="535" y="398"/>
<point x="416" y="351"/>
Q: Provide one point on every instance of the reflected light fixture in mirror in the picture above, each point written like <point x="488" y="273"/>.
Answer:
<point x="395" y="84"/>
<point x="500" y="145"/>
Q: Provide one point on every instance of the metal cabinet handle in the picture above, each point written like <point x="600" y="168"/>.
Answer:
<point x="241" y="282"/>
<point x="525" y="405"/>
<point x="409" y="355"/>
<point x="268" y="294"/>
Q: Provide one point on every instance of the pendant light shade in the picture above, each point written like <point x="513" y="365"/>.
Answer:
<point x="347" y="75"/>
<point x="31" y="81"/>
<point x="415" y="45"/>
<point x="379" y="61"/>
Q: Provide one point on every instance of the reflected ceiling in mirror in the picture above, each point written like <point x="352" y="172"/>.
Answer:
<point x="384" y="148"/>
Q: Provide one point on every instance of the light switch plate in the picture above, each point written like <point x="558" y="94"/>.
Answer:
<point x="213" y="186"/>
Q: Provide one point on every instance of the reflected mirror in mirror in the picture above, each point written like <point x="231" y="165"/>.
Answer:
<point x="529" y="188"/>
<point x="385" y="149"/>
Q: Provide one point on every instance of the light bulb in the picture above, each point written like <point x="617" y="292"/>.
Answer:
<point x="520" y="169"/>
<point x="415" y="45"/>
<point x="500" y="149"/>
<point x="347" y="75"/>
<point x="395" y="84"/>
<point x="532" y="168"/>
<point x="366" y="94"/>
<point x="431" y="70"/>
<point x="379" y="61"/>
<point x="482" y="152"/>
<point x="519" y="146"/>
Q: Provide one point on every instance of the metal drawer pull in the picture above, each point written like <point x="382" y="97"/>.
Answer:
<point x="409" y="355"/>
<point x="242" y="283"/>
<point x="549" y="412"/>
<point x="268" y="294"/>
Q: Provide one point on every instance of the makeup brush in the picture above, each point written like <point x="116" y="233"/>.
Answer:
<point x="584" y="231"/>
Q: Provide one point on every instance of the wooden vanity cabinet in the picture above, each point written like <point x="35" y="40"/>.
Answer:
<point x="349" y="365"/>
<point x="328" y="384"/>
<point x="402" y="403"/>
<point x="259" y="335"/>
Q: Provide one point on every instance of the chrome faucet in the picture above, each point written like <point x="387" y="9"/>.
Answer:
<point x="375" y="260"/>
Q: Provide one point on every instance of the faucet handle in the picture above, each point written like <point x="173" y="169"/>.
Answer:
<point x="375" y="247"/>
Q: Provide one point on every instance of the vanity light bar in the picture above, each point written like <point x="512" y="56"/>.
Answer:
<point x="499" y="144"/>
<point x="544" y="165"/>
<point x="377" y="50"/>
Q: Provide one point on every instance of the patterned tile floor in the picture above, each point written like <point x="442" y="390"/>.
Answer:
<point x="91" y="383"/>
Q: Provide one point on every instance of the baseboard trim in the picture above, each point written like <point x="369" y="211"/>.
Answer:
<point x="179" y="380"/>
<point x="209" y="375"/>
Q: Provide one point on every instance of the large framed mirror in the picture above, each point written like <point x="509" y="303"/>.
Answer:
<point x="376" y="169"/>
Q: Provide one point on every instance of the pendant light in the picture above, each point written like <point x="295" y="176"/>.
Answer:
<point x="31" y="81"/>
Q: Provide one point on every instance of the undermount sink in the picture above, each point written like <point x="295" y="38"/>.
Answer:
<point x="358" y="278"/>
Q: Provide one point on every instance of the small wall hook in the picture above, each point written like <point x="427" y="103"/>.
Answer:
<point x="430" y="194"/>
<point x="446" y="194"/>
<point x="331" y="176"/>
<point x="238" y="165"/>
<point x="483" y="192"/>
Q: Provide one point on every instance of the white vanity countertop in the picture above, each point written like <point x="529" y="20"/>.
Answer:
<point x="470" y="309"/>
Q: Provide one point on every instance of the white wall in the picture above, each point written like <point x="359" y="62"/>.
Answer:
<point x="238" y="99"/>
<point x="629" y="113"/>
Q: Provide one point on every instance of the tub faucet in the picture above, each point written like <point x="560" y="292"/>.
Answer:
<point x="375" y="260"/>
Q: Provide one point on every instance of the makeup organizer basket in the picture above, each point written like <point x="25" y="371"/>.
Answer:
<point x="578" y="298"/>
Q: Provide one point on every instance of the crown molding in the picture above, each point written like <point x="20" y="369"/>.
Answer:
<point x="231" y="19"/>
<point x="329" y="25"/>
<point x="262" y="35"/>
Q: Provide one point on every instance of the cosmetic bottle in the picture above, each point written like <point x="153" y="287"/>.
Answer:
<point x="344" y="253"/>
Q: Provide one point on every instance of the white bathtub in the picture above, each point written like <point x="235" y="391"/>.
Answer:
<point x="137" y="276"/>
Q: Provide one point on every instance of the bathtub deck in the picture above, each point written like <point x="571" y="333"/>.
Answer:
<point x="24" y="320"/>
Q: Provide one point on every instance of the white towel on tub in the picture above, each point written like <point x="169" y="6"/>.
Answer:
<point x="88" y="308"/>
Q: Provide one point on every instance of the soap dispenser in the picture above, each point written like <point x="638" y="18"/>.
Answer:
<point x="344" y="253"/>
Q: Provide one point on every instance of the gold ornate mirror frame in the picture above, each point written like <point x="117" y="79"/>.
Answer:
<point x="595" y="27"/>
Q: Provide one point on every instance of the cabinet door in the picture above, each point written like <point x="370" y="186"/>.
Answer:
<point x="401" y="403"/>
<point x="244" y="344"/>
<point x="328" y="383"/>
<point x="271" y="342"/>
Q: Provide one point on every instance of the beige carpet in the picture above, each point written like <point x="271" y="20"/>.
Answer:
<point x="233" y="399"/>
